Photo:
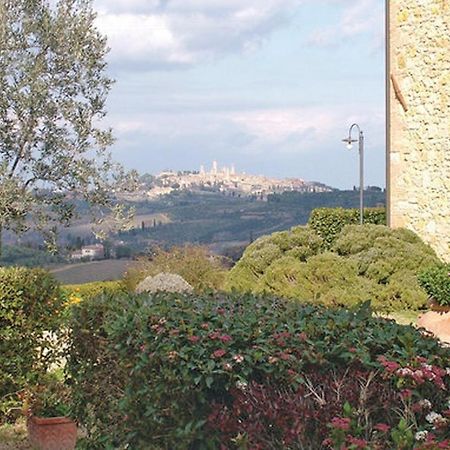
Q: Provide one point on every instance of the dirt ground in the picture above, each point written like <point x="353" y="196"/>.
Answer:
<point x="14" y="437"/>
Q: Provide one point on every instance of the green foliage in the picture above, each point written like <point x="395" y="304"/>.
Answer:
<point x="90" y="290"/>
<point x="328" y="222"/>
<point x="390" y="258"/>
<point x="30" y="303"/>
<point x="195" y="264"/>
<point x="54" y="89"/>
<point x="148" y="371"/>
<point x="50" y="398"/>
<point x="326" y="279"/>
<point x="436" y="281"/>
<point x="298" y="243"/>
<point x="27" y="257"/>
<point x="371" y="262"/>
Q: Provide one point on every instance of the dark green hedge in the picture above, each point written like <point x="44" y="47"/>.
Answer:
<point x="329" y="222"/>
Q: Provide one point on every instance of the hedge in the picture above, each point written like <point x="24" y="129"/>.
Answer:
<point x="328" y="222"/>
<point x="436" y="281"/>
<point x="30" y="307"/>
<point x="242" y="371"/>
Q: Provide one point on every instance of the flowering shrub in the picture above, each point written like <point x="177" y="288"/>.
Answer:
<point x="226" y="370"/>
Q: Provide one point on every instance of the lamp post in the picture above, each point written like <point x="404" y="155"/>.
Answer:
<point x="349" y="141"/>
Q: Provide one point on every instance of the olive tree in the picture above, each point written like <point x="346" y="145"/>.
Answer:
<point x="54" y="85"/>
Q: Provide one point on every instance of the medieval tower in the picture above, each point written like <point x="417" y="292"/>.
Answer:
<point x="418" y="124"/>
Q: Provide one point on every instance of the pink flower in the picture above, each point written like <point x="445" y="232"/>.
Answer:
<point x="204" y="326"/>
<point x="303" y="336"/>
<point x="238" y="358"/>
<point x="390" y="366"/>
<point x="225" y="338"/>
<point x="327" y="442"/>
<point x="214" y="335"/>
<point x="359" y="443"/>
<point x="383" y="427"/>
<point x="406" y="394"/>
<point x="193" y="339"/>
<point x="341" y="423"/>
<point x="219" y="353"/>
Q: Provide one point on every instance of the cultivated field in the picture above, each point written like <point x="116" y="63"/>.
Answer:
<point x="89" y="272"/>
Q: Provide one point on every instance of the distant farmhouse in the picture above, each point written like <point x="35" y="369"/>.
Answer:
<point x="89" y="252"/>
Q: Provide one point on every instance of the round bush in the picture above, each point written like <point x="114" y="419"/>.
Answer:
<point x="233" y="371"/>
<point x="369" y="262"/>
<point x="299" y="243"/>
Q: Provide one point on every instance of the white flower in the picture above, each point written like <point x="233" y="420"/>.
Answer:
<point x="421" y="435"/>
<point x="241" y="385"/>
<point x="425" y="404"/>
<point x="427" y="366"/>
<point x="404" y="372"/>
<point x="433" y="417"/>
<point x="448" y="371"/>
<point x="238" y="358"/>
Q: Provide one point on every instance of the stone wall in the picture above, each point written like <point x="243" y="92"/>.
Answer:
<point x="419" y="125"/>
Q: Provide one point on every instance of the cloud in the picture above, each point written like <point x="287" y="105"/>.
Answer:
<point x="357" y="18"/>
<point x="179" y="33"/>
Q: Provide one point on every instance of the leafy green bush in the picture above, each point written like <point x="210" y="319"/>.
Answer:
<point x="369" y="262"/>
<point x="298" y="243"/>
<point x="166" y="371"/>
<point x="390" y="258"/>
<point x="326" y="279"/>
<point x="90" y="290"/>
<point x="328" y="222"/>
<point x="436" y="281"/>
<point x="30" y="306"/>
<point x="195" y="264"/>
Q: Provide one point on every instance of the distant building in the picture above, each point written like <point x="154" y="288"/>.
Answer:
<point x="90" y="252"/>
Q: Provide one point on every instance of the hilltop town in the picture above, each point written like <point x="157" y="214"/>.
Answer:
<point x="227" y="181"/>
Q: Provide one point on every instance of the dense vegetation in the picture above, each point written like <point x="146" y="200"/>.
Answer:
<point x="195" y="264"/>
<point x="370" y="262"/>
<point x="30" y="302"/>
<point x="242" y="371"/>
<point x="329" y="222"/>
<point x="436" y="281"/>
<point x="208" y="218"/>
<point x="15" y="255"/>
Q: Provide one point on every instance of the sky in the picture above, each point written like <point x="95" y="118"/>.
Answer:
<point x="271" y="86"/>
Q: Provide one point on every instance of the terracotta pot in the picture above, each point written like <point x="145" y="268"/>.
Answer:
<point x="54" y="433"/>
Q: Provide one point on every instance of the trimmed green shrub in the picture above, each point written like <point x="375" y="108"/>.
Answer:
<point x="390" y="258"/>
<point x="194" y="264"/>
<point x="30" y="307"/>
<point x="298" y="243"/>
<point x="328" y="222"/>
<point x="168" y="372"/>
<point x="369" y="262"/>
<point x="436" y="281"/>
<point x="90" y="290"/>
<point x="326" y="279"/>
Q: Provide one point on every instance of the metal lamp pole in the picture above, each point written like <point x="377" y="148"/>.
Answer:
<point x="349" y="141"/>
